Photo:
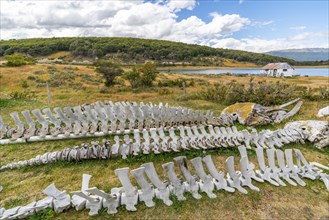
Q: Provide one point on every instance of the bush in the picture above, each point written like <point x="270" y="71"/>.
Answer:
<point x="164" y="91"/>
<point x="24" y="84"/>
<point x="143" y="77"/>
<point x="149" y="73"/>
<point x="263" y="93"/>
<point x="18" y="60"/>
<point x="31" y="78"/>
<point x="133" y="77"/>
<point x="39" y="72"/>
<point x="109" y="70"/>
<point x="26" y="95"/>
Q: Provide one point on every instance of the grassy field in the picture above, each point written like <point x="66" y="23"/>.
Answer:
<point x="81" y="84"/>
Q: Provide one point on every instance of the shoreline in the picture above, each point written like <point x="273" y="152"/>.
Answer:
<point x="228" y="67"/>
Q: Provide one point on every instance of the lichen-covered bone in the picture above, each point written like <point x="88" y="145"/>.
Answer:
<point x="252" y="114"/>
<point x="315" y="131"/>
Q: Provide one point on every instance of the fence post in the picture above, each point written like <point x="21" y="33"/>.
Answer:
<point x="184" y="87"/>
<point x="48" y="94"/>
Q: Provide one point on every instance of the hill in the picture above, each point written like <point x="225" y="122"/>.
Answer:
<point x="134" y="50"/>
<point x="306" y="54"/>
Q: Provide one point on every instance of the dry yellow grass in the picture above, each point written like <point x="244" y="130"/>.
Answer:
<point x="25" y="185"/>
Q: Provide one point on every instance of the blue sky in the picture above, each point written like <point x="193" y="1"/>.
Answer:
<point x="252" y="25"/>
<point x="284" y="15"/>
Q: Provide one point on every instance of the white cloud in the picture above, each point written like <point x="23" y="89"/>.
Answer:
<point x="304" y="40"/>
<point x="178" y="5"/>
<point x="157" y="20"/>
<point x="298" y="28"/>
<point x="153" y="20"/>
<point x="308" y="35"/>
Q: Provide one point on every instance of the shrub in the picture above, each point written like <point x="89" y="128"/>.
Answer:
<point x="24" y="84"/>
<point x="39" y="72"/>
<point x="31" y="78"/>
<point x="26" y="95"/>
<point x="133" y="77"/>
<point x="263" y="93"/>
<point x="109" y="70"/>
<point x="149" y="73"/>
<point x="18" y="60"/>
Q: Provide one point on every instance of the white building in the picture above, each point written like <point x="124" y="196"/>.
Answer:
<point x="278" y="70"/>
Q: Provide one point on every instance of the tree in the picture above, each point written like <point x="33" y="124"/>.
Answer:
<point x="134" y="78"/>
<point x="109" y="70"/>
<point x="149" y="73"/>
<point x="18" y="60"/>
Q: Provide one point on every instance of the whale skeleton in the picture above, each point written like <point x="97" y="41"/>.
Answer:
<point x="150" y="186"/>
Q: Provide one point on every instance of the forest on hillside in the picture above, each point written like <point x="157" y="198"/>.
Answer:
<point x="131" y="49"/>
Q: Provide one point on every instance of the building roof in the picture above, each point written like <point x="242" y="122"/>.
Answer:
<point x="272" y="66"/>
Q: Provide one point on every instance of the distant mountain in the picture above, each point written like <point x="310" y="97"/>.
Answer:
<point x="305" y="54"/>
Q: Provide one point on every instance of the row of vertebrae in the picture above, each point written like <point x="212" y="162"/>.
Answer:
<point x="157" y="141"/>
<point x="105" y="117"/>
<point x="150" y="185"/>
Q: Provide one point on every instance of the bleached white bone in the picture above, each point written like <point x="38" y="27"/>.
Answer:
<point x="83" y="120"/>
<point x="232" y="136"/>
<point x="24" y="211"/>
<point x="233" y="177"/>
<point x="67" y="129"/>
<point x="206" y="183"/>
<point x="125" y="147"/>
<point x="8" y="213"/>
<point x="284" y="170"/>
<point x="305" y="169"/>
<point x="191" y="183"/>
<point x="76" y="124"/>
<point x="264" y="172"/>
<point x="61" y="200"/>
<point x="91" y="117"/>
<point x="222" y="138"/>
<point x="156" y="141"/>
<point x="19" y="130"/>
<point x="162" y="191"/>
<point x="77" y="201"/>
<point x="247" y="172"/>
<point x="56" y="130"/>
<point x="129" y="193"/>
<point x="137" y="144"/>
<point x="173" y="144"/>
<point x="319" y="165"/>
<point x="3" y="128"/>
<point x="111" y="117"/>
<point x="325" y="178"/>
<point x="146" y="145"/>
<point x="115" y="147"/>
<point x="110" y="201"/>
<point x="274" y="170"/>
<point x="220" y="181"/>
<point x="250" y="166"/>
<point x="293" y="171"/>
<point x="93" y="203"/>
<point x="178" y="188"/>
<point x="44" y="130"/>
<point x="31" y="130"/>
<point x="146" y="193"/>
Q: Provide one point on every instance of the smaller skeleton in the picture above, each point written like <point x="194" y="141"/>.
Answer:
<point x="252" y="114"/>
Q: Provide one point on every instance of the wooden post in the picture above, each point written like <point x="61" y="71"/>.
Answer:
<point x="184" y="87"/>
<point x="48" y="93"/>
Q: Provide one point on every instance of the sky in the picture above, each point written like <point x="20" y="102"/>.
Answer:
<point x="252" y="25"/>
